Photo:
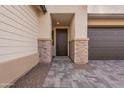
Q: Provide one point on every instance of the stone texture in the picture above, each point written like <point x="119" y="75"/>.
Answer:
<point x="45" y="50"/>
<point x="79" y="51"/>
<point x="65" y="74"/>
<point x="96" y="74"/>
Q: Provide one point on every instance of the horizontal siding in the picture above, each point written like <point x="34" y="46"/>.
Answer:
<point x="19" y="28"/>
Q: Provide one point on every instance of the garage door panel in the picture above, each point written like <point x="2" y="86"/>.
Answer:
<point x="104" y="38"/>
<point x="121" y="43"/>
<point x="101" y="32"/>
<point x="101" y="57"/>
<point x="103" y="44"/>
<point x="120" y="38"/>
<point x="120" y="51"/>
<point x="102" y="50"/>
<point x="107" y="50"/>
<point x="120" y="33"/>
<point x="106" y="43"/>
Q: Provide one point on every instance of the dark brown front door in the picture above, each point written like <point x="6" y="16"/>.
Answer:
<point x="61" y="42"/>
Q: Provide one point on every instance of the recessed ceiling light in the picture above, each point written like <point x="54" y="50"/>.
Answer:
<point x="57" y="23"/>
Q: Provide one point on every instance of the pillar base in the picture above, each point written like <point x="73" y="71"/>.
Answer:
<point x="45" y="50"/>
<point x="79" y="51"/>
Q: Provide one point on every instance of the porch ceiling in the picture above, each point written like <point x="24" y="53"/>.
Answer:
<point x="61" y="19"/>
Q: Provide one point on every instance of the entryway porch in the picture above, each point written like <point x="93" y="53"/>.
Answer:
<point x="63" y="73"/>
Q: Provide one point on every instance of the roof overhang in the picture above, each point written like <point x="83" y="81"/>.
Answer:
<point x="43" y="8"/>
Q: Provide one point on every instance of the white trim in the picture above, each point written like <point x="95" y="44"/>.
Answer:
<point x="54" y="29"/>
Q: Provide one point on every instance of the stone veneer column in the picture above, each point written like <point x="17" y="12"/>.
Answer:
<point x="45" y="50"/>
<point x="79" y="51"/>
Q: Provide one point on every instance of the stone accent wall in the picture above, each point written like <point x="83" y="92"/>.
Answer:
<point x="79" y="51"/>
<point x="45" y="50"/>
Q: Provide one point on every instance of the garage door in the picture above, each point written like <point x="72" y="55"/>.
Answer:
<point x="106" y="43"/>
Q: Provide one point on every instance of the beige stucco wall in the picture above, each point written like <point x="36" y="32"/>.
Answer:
<point x="81" y="22"/>
<point x="45" y="26"/>
<point x="105" y="22"/>
<point x="109" y="9"/>
<point x="80" y="12"/>
<point x="72" y="29"/>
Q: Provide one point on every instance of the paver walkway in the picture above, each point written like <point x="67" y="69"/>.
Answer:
<point x="65" y="74"/>
<point x="96" y="74"/>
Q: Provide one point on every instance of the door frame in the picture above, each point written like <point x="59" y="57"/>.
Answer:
<point x="55" y="29"/>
